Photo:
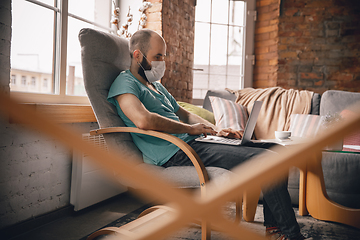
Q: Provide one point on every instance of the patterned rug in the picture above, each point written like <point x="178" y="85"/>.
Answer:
<point x="310" y="227"/>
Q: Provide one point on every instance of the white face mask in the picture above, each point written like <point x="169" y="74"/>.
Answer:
<point x="156" y="72"/>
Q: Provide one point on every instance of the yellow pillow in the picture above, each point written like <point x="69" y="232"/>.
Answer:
<point x="201" y="112"/>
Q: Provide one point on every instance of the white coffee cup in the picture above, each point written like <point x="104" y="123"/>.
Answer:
<point x="282" y="135"/>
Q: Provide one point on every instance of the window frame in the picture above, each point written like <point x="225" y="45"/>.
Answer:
<point x="59" y="96"/>
<point x="248" y="49"/>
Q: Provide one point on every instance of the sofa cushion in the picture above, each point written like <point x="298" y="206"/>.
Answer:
<point x="315" y="104"/>
<point x="217" y="93"/>
<point x="305" y="125"/>
<point x="334" y="101"/>
<point x="201" y="112"/>
<point x="229" y="114"/>
<point x="341" y="175"/>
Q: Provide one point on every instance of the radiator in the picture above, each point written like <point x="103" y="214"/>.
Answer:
<point x="90" y="184"/>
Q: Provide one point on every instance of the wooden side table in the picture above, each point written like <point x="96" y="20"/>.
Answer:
<point x="314" y="200"/>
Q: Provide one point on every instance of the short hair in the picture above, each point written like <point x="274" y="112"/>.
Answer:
<point x="141" y="40"/>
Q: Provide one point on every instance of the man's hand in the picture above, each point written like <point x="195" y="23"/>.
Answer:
<point x="230" y="133"/>
<point x="200" y="128"/>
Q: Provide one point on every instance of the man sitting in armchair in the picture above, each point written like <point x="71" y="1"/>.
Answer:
<point x="144" y="103"/>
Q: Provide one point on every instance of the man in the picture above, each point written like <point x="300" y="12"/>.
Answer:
<point x="143" y="102"/>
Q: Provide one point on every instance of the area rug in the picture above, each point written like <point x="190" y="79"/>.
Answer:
<point x="310" y="227"/>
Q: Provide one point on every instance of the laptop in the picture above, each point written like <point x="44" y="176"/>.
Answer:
<point x="248" y="132"/>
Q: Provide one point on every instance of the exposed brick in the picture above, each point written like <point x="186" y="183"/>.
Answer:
<point x="342" y="76"/>
<point x="273" y="62"/>
<point x="274" y="21"/>
<point x="270" y="55"/>
<point x="294" y="4"/>
<point x="268" y="16"/>
<point x="264" y="83"/>
<point x="297" y="19"/>
<point x="311" y="54"/>
<point x="266" y="29"/>
<point x="291" y="12"/>
<point x="263" y="23"/>
<point x="261" y="50"/>
<point x="262" y="36"/>
<point x="288" y="54"/>
<point x="261" y="63"/>
<point x="305" y="68"/>
<point x="318" y="4"/>
<point x="319" y="83"/>
<point x="178" y="31"/>
<point x="274" y="48"/>
<point x="263" y="76"/>
<point x="311" y="76"/>
<point x="317" y="37"/>
<point x="306" y="83"/>
<point x="265" y="69"/>
<point x="265" y="43"/>
<point x="291" y="34"/>
<point x="260" y="3"/>
<point x="287" y="75"/>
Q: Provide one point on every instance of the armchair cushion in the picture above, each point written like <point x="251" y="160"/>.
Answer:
<point x="186" y="176"/>
<point x="103" y="57"/>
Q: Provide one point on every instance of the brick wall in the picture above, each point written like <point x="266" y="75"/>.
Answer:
<point x="266" y="43"/>
<point x="5" y="39"/>
<point x="319" y="45"/>
<point x="175" y="19"/>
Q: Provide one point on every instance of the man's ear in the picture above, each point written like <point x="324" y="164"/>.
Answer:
<point x="137" y="55"/>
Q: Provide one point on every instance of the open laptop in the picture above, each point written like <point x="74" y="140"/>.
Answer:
<point x="248" y="132"/>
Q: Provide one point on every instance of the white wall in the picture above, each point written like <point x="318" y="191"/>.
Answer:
<point x="35" y="170"/>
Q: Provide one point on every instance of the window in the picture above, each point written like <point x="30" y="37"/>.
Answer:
<point x="33" y="81"/>
<point x="46" y="46"/>
<point x="13" y="79"/>
<point x="222" y="30"/>
<point x="23" y="80"/>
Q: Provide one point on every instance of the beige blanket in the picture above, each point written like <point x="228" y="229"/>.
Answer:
<point x="278" y="105"/>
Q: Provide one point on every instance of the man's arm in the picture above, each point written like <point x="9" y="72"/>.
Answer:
<point x="143" y="119"/>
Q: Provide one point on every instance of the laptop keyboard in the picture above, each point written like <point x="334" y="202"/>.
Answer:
<point x="220" y="140"/>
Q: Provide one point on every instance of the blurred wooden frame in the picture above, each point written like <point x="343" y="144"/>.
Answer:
<point x="186" y="208"/>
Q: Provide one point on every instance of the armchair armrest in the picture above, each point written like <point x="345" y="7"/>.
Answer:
<point x="195" y="159"/>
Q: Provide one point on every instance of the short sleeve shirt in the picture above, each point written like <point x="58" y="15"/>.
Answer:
<point x="155" y="151"/>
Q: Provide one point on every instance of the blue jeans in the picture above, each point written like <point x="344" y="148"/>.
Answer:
<point x="278" y="211"/>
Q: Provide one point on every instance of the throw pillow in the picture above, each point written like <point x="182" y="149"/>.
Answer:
<point x="351" y="141"/>
<point x="229" y="114"/>
<point x="201" y="112"/>
<point x="305" y="125"/>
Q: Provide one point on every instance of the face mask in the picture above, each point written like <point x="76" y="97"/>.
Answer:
<point x="156" y="72"/>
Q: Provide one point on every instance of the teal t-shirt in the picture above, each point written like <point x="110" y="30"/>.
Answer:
<point x="155" y="151"/>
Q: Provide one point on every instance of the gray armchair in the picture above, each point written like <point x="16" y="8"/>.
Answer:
<point x="104" y="56"/>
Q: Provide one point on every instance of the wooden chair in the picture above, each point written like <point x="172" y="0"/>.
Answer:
<point x="104" y="56"/>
